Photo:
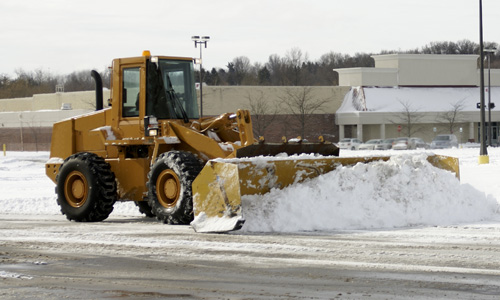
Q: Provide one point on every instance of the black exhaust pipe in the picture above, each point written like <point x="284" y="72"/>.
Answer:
<point x="98" y="89"/>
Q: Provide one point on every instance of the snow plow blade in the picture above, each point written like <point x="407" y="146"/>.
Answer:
<point x="219" y="188"/>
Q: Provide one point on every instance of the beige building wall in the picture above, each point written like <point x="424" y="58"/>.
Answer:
<point x="368" y="77"/>
<point x="222" y="99"/>
<point x="16" y="104"/>
<point x="216" y="99"/>
<point x="436" y="70"/>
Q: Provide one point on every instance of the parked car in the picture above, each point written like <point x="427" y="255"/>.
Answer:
<point x="348" y="143"/>
<point x="444" y="141"/>
<point x="370" y="144"/>
<point x="418" y="143"/>
<point x="385" y="144"/>
<point x="405" y="143"/>
<point x="401" y="143"/>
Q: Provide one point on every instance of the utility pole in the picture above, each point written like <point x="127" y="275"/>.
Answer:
<point x="489" y="51"/>
<point x="483" y="153"/>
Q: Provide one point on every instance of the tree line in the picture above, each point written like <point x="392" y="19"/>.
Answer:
<point x="292" y="69"/>
<point x="295" y="69"/>
<point x="28" y="83"/>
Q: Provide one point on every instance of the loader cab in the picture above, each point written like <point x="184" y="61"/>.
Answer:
<point x="162" y="87"/>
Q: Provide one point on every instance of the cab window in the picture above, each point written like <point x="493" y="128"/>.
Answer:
<point x="130" y="93"/>
<point x="170" y="90"/>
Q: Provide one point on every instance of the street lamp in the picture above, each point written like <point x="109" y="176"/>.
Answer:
<point x="483" y="153"/>
<point x="489" y="51"/>
<point x="200" y="40"/>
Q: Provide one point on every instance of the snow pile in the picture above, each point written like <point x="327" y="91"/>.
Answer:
<point x="405" y="191"/>
<point x="4" y="274"/>
<point x="24" y="187"/>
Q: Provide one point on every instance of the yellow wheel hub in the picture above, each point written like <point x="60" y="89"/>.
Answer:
<point x="168" y="188"/>
<point x="76" y="189"/>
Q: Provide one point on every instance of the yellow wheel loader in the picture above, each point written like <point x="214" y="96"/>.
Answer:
<point x="150" y="146"/>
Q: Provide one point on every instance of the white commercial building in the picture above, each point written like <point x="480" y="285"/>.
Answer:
<point x="416" y="94"/>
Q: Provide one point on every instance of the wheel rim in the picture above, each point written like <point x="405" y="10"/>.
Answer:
<point x="168" y="188"/>
<point x="76" y="189"/>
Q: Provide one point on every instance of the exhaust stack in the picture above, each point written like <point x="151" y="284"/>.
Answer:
<point x="98" y="89"/>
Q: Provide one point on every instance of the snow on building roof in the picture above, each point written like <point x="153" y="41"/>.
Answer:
<point x="394" y="99"/>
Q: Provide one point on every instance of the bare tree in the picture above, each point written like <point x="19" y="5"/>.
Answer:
<point x="408" y="118"/>
<point x="302" y="104"/>
<point x="294" y="63"/>
<point x="276" y="67"/>
<point x="240" y="69"/>
<point x="82" y="81"/>
<point x="263" y="112"/>
<point x="330" y="61"/>
<point x="452" y="116"/>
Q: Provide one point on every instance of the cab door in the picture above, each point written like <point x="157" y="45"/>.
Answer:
<point x="133" y="93"/>
<point x="131" y="164"/>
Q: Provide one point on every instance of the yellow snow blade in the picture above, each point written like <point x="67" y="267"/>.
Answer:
<point x="218" y="189"/>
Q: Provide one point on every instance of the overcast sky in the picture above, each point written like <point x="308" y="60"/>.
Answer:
<point x="63" y="36"/>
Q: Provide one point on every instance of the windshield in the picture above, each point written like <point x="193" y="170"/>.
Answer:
<point x="442" y="138"/>
<point x="170" y="90"/>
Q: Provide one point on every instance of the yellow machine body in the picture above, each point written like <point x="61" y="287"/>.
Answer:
<point x="122" y="142"/>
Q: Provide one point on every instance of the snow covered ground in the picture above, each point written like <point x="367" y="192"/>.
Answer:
<point x="404" y="192"/>
<point x="347" y="248"/>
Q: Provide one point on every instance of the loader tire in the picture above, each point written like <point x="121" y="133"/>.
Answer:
<point x="169" y="186"/>
<point x="86" y="188"/>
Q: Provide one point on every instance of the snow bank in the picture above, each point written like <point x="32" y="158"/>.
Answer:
<point x="25" y="189"/>
<point x="405" y="191"/>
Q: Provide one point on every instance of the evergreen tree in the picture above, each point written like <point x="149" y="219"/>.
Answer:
<point x="264" y="76"/>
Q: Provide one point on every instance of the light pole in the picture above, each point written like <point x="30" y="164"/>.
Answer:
<point x="483" y="153"/>
<point x="200" y="40"/>
<point x="489" y="51"/>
